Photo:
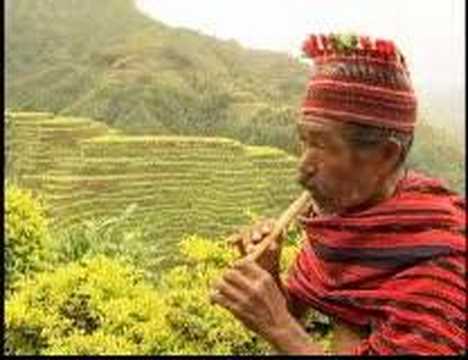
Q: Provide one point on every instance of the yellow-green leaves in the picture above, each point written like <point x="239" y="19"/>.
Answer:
<point x="25" y="233"/>
<point x="96" y="306"/>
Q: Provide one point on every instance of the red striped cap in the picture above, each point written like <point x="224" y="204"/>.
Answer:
<point x="361" y="80"/>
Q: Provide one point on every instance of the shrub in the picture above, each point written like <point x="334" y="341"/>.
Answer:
<point x="102" y="306"/>
<point x="96" y="306"/>
<point x="198" y="326"/>
<point x="25" y="234"/>
<point x="201" y="328"/>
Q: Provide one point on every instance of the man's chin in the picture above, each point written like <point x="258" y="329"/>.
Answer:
<point x="304" y="182"/>
<point x="308" y="186"/>
<point x="323" y="202"/>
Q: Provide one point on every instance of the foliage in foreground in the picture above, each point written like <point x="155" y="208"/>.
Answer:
<point x="26" y="234"/>
<point x="99" y="305"/>
<point x="105" y="236"/>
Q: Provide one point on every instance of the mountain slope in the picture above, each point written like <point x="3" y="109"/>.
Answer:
<point x="105" y="60"/>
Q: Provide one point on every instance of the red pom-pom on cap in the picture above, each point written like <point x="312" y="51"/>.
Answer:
<point x="385" y="49"/>
<point x="325" y="43"/>
<point x="311" y="47"/>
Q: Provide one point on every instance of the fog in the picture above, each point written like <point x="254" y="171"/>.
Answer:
<point x="430" y="34"/>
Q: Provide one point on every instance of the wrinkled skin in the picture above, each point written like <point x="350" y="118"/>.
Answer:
<point x="340" y="178"/>
<point x="253" y="296"/>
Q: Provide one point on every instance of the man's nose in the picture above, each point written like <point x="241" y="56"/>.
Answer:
<point x="307" y="170"/>
<point x="308" y="163"/>
<point x="307" y="167"/>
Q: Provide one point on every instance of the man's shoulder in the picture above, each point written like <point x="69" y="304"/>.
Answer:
<point x="417" y="182"/>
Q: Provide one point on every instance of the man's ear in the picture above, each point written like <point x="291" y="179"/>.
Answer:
<point x="390" y="153"/>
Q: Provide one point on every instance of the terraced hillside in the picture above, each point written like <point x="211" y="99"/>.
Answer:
<point x="108" y="61"/>
<point x="41" y="141"/>
<point x="179" y="185"/>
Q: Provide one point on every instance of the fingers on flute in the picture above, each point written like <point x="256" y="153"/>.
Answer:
<point x="247" y="240"/>
<point x="261" y="230"/>
<point x="235" y="241"/>
<point x="267" y="226"/>
<point x="251" y="269"/>
<point x="258" y="233"/>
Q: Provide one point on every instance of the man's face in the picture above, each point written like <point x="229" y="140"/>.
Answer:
<point x="337" y="175"/>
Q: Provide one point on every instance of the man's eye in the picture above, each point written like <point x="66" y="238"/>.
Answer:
<point x="317" y="144"/>
<point x="304" y="146"/>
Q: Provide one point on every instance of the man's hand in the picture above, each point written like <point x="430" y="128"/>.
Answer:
<point x="252" y="295"/>
<point x="247" y="241"/>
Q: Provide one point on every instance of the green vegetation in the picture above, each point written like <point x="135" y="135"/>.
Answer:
<point x="98" y="305"/>
<point x="105" y="236"/>
<point x="38" y="142"/>
<point x="436" y="153"/>
<point x="107" y="292"/>
<point x="92" y="307"/>
<point x="177" y="184"/>
<point x="26" y="235"/>
<point x="107" y="61"/>
<point x="141" y="146"/>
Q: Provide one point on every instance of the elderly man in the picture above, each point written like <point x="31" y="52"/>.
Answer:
<point x="385" y="255"/>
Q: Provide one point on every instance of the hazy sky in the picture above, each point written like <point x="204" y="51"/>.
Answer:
<point x="430" y="33"/>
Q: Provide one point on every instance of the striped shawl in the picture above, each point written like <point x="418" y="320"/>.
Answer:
<point x="397" y="268"/>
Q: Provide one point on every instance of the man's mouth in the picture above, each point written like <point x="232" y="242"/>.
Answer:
<point x="303" y="179"/>
<point x="306" y="181"/>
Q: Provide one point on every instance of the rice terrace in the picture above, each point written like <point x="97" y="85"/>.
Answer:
<point x="134" y="150"/>
<point x="85" y="170"/>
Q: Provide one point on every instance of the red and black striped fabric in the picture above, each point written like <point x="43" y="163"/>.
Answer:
<point x="397" y="268"/>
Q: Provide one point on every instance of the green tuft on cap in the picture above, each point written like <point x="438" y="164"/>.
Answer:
<point x="344" y="42"/>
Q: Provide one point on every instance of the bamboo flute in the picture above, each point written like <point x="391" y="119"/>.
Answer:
<point x="281" y="224"/>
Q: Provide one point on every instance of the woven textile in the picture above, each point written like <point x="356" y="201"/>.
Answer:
<point x="397" y="268"/>
<point x="356" y="79"/>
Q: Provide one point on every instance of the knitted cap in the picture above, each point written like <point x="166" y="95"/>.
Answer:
<point x="360" y="80"/>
